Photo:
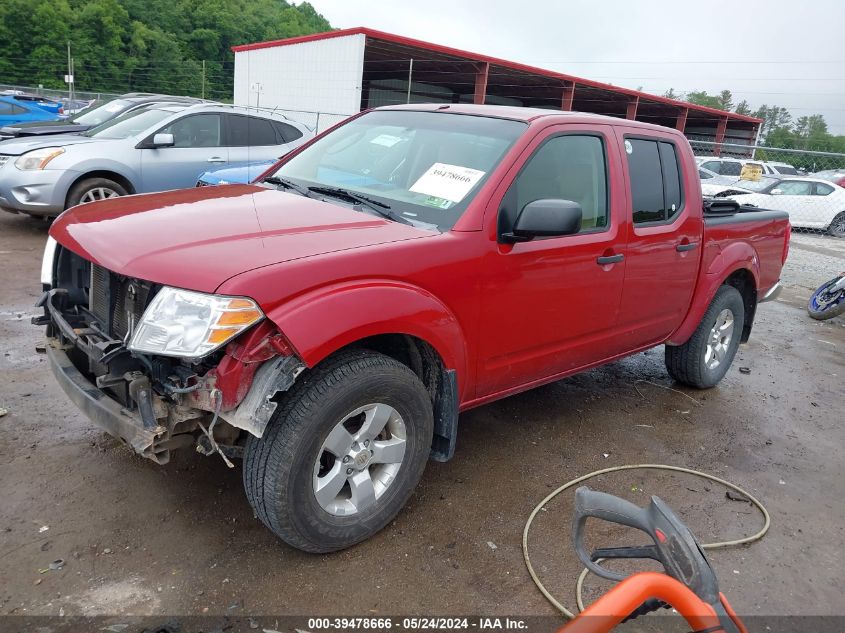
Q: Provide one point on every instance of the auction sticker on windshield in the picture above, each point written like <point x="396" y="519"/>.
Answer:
<point x="451" y="182"/>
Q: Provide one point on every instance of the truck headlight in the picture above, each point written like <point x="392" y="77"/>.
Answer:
<point x="38" y="158"/>
<point x="47" y="262"/>
<point x="192" y="324"/>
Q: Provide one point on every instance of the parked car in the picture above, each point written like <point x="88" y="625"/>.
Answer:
<point x="836" y="176"/>
<point x="45" y="103"/>
<point x="75" y="106"/>
<point x="413" y="262"/>
<point x="97" y="114"/>
<point x="13" y="111"/>
<point x="812" y="203"/>
<point x="152" y="148"/>
<point x="234" y="175"/>
<point x="733" y="166"/>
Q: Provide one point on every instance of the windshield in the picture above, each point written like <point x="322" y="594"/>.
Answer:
<point x="426" y="166"/>
<point x="100" y="113"/>
<point x="129" y="124"/>
<point x="757" y="185"/>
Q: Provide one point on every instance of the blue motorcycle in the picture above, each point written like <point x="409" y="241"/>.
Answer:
<point x="828" y="300"/>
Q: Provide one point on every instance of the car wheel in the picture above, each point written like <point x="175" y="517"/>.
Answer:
<point x="704" y="359"/>
<point x="93" y="189"/>
<point x="342" y="453"/>
<point x="837" y="226"/>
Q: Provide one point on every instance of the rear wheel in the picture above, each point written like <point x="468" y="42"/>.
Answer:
<point x="93" y="189"/>
<point x="704" y="359"/>
<point x="342" y="454"/>
<point x="837" y="227"/>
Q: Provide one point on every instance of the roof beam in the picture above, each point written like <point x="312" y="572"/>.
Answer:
<point x="681" y="121"/>
<point x="631" y="110"/>
<point x="568" y="96"/>
<point x="482" y="72"/>
<point x="721" y="128"/>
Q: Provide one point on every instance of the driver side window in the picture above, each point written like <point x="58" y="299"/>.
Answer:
<point x="569" y="167"/>
<point x="198" y="130"/>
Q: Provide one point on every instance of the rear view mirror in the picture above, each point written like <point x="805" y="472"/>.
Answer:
<point x="545" y="218"/>
<point x="163" y="140"/>
<point x="777" y="192"/>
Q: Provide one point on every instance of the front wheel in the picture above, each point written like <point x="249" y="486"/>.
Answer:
<point x="704" y="359"/>
<point x="342" y="454"/>
<point x="828" y="300"/>
<point x="94" y="189"/>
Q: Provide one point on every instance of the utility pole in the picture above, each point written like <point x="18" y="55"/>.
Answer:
<point x="203" y="79"/>
<point x="69" y="78"/>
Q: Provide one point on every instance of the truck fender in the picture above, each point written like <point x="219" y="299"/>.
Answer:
<point x="735" y="257"/>
<point x="322" y="321"/>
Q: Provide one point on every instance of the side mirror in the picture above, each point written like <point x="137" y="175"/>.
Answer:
<point x="163" y="140"/>
<point x="545" y="218"/>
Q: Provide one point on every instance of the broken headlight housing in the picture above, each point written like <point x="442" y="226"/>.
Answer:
<point x="192" y="324"/>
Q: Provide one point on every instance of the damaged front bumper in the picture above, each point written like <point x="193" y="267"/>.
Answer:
<point x="108" y="414"/>
<point x="154" y="404"/>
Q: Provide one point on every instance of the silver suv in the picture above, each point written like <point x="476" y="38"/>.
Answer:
<point x="149" y="149"/>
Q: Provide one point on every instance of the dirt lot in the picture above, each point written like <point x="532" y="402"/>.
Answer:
<point x="142" y="539"/>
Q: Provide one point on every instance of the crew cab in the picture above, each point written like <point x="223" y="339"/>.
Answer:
<point x="329" y="322"/>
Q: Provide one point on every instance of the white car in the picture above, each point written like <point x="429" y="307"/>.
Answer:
<point x="733" y="166"/>
<point x="811" y="203"/>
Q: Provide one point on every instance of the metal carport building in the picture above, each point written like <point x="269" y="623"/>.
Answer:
<point x="320" y="79"/>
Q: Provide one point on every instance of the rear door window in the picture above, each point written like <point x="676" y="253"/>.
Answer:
<point x="655" y="179"/>
<point x="247" y="131"/>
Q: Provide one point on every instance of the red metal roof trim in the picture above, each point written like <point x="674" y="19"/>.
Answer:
<point x="476" y="57"/>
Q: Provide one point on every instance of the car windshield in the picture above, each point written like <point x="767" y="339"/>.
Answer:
<point x="100" y="113"/>
<point x="424" y="166"/>
<point x="757" y="185"/>
<point x="129" y="124"/>
<point x="787" y="170"/>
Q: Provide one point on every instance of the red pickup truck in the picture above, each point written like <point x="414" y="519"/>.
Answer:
<point x="329" y="322"/>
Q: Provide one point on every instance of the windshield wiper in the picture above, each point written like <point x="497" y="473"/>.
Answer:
<point x="287" y="184"/>
<point x="382" y="208"/>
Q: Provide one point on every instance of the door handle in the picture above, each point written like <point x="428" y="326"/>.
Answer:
<point x="609" y="259"/>
<point x="216" y="159"/>
<point x="686" y="247"/>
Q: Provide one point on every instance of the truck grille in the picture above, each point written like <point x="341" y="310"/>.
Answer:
<point x="117" y="302"/>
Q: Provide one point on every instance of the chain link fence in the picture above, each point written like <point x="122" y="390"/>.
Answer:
<point x="806" y="184"/>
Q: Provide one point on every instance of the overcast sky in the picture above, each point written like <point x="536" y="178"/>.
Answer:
<point x="778" y="53"/>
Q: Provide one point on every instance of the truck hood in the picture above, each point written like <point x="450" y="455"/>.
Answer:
<point x="21" y="145"/>
<point x="198" y="238"/>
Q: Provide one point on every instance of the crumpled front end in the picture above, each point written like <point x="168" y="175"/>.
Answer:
<point x="156" y="403"/>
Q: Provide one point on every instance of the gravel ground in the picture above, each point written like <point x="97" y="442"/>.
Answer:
<point x="181" y="540"/>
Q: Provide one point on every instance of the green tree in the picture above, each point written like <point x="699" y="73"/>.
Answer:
<point x="700" y="97"/>
<point x="725" y="100"/>
<point x="743" y="108"/>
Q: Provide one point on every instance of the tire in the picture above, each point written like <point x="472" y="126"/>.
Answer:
<point x="283" y="469"/>
<point x="827" y="309"/>
<point x="692" y="363"/>
<point x="92" y="189"/>
<point x="837" y="226"/>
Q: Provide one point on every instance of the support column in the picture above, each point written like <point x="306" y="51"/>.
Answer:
<point x="721" y="128"/>
<point x="568" y="96"/>
<point x="631" y="110"/>
<point x="681" y="121"/>
<point x="482" y="71"/>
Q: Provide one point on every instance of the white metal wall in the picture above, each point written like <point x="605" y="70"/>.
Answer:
<point x="323" y="76"/>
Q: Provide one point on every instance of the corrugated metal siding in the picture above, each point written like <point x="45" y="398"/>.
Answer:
<point x="321" y="76"/>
